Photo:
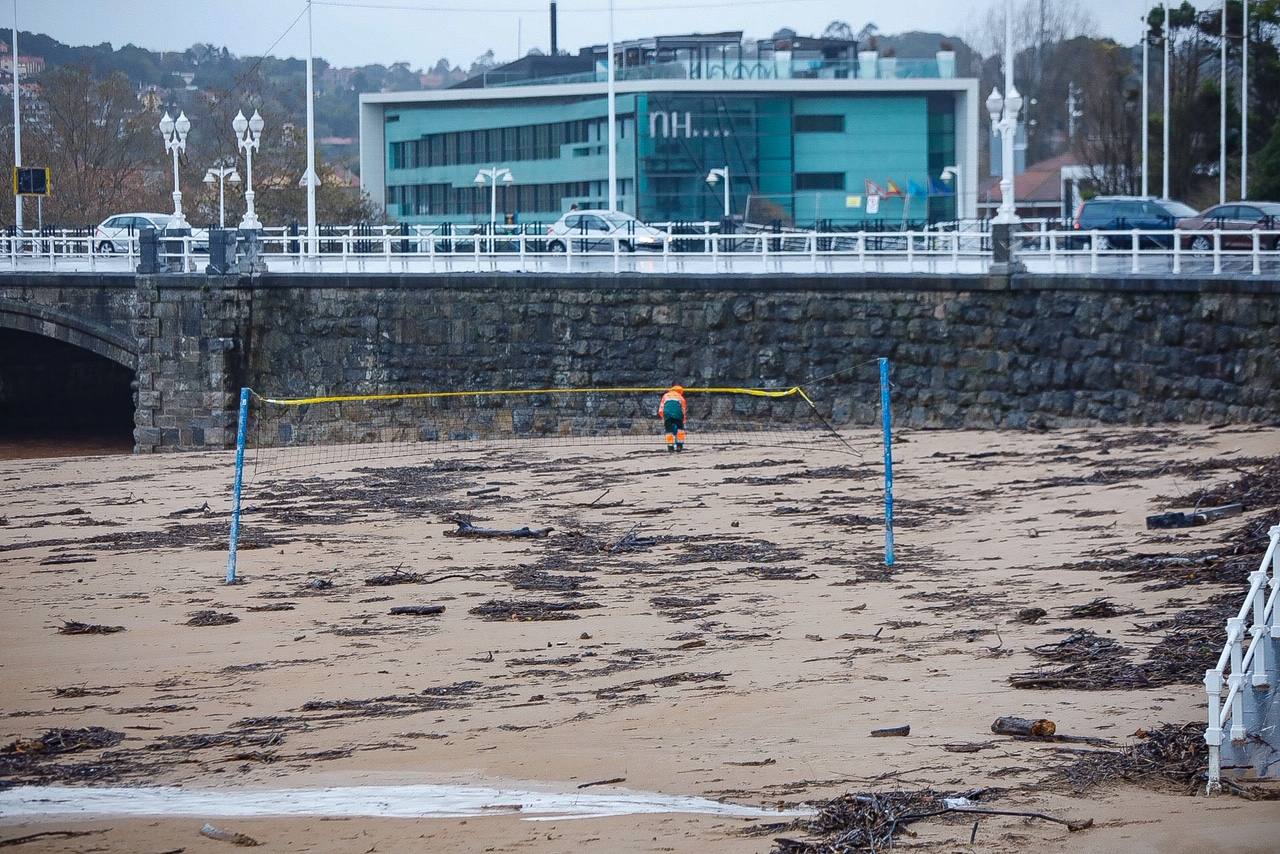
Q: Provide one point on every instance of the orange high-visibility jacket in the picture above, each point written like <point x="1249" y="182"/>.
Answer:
<point x="673" y="395"/>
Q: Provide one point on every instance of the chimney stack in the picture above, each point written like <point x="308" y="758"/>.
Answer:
<point x="553" y="30"/>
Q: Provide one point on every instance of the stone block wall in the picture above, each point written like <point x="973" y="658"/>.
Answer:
<point x="192" y="332"/>
<point x="966" y="352"/>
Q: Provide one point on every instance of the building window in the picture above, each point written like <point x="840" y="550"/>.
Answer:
<point x="819" y="180"/>
<point x="820" y="124"/>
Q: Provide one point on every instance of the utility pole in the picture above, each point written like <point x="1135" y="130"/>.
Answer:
<point x="311" y="143"/>
<point x="1146" y="108"/>
<point x="1244" y="103"/>
<point x="611" y="127"/>
<point x="1168" y="39"/>
<point x="1222" y="111"/>
<point x="17" y="121"/>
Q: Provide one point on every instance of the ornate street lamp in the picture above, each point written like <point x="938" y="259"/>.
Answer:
<point x="248" y="138"/>
<point x="174" y="134"/>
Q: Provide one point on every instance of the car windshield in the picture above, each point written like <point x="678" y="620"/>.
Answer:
<point x="1270" y="210"/>
<point x="1178" y="209"/>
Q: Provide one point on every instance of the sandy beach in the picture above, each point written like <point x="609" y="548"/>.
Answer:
<point x="717" y="624"/>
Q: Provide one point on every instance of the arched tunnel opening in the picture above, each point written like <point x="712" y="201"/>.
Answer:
<point x="57" y="399"/>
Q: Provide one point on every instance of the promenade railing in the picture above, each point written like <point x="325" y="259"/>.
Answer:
<point x="1246" y="672"/>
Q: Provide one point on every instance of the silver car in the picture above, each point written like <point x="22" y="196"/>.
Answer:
<point x="598" y="230"/>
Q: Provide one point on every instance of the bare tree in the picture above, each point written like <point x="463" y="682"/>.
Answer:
<point x="1035" y="23"/>
<point x="100" y="146"/>
<point x="1108" y="138"/>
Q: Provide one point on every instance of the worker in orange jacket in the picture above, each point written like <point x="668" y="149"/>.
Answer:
<point x="672" y="409"/>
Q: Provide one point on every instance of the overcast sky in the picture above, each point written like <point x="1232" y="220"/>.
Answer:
<point x="354" y="32"/>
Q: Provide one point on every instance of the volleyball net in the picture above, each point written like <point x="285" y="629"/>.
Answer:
<point x="277" y="436"/>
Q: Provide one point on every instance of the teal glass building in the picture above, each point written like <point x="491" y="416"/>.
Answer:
<point x="799" y="150"/>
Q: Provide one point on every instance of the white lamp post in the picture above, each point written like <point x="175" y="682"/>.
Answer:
<point x="492" y="176"/>
<point x="715" y="175"/>
<point x="1004" y="120"/>
<point x="222" y="175"/>
<point x="952" y="173"/>
<point x="174" y="133"/>
<point x="248" y="138"/>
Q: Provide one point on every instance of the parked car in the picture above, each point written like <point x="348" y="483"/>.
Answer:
<point x="594" y="230"/>
<point x="1123" y="213"/>
<point x="113" y="233"/>
<point x="1236" y="221"/>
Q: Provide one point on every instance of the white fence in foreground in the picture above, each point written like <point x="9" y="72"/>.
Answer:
<point x="1245" y="711"/>
<point x="386" y="250"/>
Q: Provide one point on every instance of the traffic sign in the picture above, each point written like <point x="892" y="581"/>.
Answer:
<point x="31" y="180"/>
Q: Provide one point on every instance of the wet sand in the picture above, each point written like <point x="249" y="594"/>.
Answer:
<point x="731" y="633"/>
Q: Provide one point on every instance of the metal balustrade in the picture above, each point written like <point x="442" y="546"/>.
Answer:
<point x="695" y="248"/>
<point x="1249" y="675"/>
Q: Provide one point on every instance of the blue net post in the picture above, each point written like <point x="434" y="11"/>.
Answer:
<point x="242" y="425"/>
<point x="886" y="418"/>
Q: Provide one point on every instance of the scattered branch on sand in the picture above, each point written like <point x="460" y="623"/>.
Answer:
<point x="1170" y="756"/>
<point x="202" y="510"/>
<point x="396" y="576"/>
<point x="466" y="529"/>
<point x="608" y="782"/>
<point x="1098" y="608"/>
<point x="871" y="821"/>
<point x="1030" y="616"/>
<point x="228" y="836"/>
<point x="488" y="490"/>
<point x="46" y="835"/>
<point x="72" y="627"/>
<point x="57" y="741"/>
<point x="888" y="732"/>
<point x="530" y="609"/>
<point x="212" y="618"/>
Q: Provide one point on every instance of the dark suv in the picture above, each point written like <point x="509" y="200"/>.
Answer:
<point x="1122" y="213"/>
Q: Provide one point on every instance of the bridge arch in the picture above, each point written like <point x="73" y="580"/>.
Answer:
<point x="51" y="323"/>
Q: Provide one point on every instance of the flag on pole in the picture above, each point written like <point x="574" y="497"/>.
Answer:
<point x="938" y="187"/>
<point x="872" y="188"/>
<point x="873" y="205"/>
<point x="914" y="189"/>
<point x="891" y="189"/>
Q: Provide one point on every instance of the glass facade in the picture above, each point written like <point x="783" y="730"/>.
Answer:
<point x="793" y="158"/>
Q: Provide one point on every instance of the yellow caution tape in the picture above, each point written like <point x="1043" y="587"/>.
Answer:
<point x="429" y="395"/>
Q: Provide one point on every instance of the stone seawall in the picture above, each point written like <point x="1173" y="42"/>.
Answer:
<point x="966" y="352"/>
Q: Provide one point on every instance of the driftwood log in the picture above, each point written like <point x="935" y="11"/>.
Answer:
<point x="888" y="732"/>
<point x="466" y="529"/>
<point x="1202" y="516"/>
<point x="418" y="610"/>
<point x="1010" y="725"/>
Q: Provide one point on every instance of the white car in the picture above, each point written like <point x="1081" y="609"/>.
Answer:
<point x="114" y="233"/>
<point x="595" y="231"/>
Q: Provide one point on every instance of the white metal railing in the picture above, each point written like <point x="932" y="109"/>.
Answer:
<point x="1243" y="668"/>
<point x="1150" y="251"/>
<point x="673" y="249"/>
